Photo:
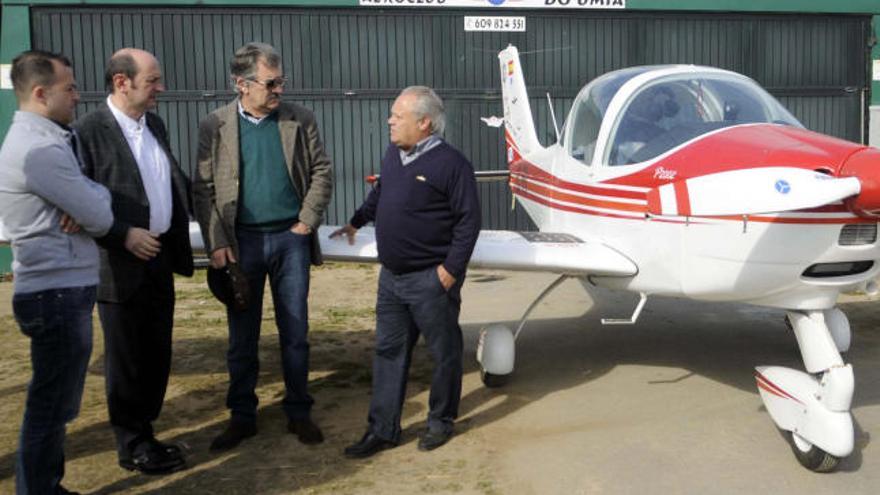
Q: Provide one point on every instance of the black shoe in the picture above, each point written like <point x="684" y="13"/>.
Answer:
<point x="369" y="445"/>
<point x="60" y="490"/>
<point x="307" y="431"/>
<point x="233" y="435"/>
<point x="171" y="449"/>
<point x="151" y="457"/>
<point x="430" y="440"/>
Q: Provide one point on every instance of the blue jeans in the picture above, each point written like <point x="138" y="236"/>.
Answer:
<point x="59" y="324"/>
<point x="408" y="305"/>
<point x="285" y="257"/>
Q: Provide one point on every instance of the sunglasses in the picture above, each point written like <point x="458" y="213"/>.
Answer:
<point x="271" y="84"/>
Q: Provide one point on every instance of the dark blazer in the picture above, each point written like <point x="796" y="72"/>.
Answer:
<point x="108" y="160"/>
<point x="215" y="185"/>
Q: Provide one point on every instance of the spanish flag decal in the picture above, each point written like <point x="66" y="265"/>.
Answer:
<point x="510" y="67"/>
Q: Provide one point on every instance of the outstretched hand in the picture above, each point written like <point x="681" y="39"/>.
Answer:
<point x="348" y="230"/>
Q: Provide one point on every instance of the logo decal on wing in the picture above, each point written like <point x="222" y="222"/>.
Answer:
<point x="782" y="186"/>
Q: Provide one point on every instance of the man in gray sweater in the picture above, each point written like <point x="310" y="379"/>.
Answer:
<point x="50" y="213"/>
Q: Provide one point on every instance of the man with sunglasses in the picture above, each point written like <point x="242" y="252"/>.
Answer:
<point x="262" y="185"/>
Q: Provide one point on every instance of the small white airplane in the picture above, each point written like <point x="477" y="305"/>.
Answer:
<point x="689" y="181"/>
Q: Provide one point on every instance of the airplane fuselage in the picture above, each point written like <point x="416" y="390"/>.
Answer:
<point x="763" y="259"/>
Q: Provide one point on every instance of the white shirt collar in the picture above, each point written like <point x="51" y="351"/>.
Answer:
<point x="128" y="124"/>
<point x="253" y="119"/>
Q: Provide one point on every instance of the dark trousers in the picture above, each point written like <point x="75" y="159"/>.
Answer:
<point x="285" y="258"/>
<point x="59" y="324"/>
<point x="137" y="351"/>
<point x="407" y="305"/>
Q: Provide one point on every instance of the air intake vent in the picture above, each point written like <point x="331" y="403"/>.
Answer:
<point x="858" y="234"/>
<point x="827" y="270"/>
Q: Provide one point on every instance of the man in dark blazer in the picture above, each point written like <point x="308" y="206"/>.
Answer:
<point x="125" y="148"/>
<point x="260" y="191"/>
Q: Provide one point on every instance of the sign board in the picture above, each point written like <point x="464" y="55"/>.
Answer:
<point x="507" y="4"/>
<point x="5" y="80"/>
<point x="495" y="23"/>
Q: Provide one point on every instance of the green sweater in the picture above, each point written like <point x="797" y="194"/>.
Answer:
<point x="268" y="201"/>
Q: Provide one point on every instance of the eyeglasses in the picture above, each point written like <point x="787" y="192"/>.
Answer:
<point x="271" y="84"/>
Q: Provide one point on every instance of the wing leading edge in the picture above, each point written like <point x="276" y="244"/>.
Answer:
<point x="505" y="250"/>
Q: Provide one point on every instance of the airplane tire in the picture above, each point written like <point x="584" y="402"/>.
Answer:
<point x="492" y="381"/>
<point x="812" y="457"/>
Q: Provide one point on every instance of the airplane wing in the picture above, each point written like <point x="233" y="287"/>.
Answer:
<point x="495" y="249"/>
<point x="507" y="250"/>
<point x="750" y="191"/>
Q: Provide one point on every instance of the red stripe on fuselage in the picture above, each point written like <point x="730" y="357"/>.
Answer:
<point x="587" y="211"/>
<point x="573" y="198"/>
<point x="522" y="169"/>
<point x="682" y="199"/>
<point x="530" y="171"/>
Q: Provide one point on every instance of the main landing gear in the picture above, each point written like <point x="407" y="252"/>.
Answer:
<point x="496" y="350"/>
<point x="814" y="407"/>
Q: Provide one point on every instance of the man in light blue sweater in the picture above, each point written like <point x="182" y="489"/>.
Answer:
<point x="50" y="213"/>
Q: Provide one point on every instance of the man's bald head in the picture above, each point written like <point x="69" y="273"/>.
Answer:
<point x="134" y="79"/>
<point x="127" y="62"/>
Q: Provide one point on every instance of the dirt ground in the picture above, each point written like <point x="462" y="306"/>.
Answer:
<point x="666" y="406"/>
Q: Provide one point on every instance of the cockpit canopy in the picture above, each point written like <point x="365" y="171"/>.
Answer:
<point x="633" y="115"/>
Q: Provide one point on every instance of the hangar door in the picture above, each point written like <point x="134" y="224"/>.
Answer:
<point x="347" y="65"/>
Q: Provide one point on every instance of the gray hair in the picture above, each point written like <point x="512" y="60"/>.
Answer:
<point x="429" y="105"/>
<point x="244" y="62"/>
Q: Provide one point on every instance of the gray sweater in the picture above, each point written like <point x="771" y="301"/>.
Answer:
<point x="40" y="179"/>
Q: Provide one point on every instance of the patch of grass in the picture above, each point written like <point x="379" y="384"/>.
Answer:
<point x="331" y="265"/>
<point x="487" y="487"/>
<point x="198" y="276"/>
<point x="195" y="295"/>
<point x="353" y="486"/>
<point x="197" y="321"/>
<point x="346" y="378"/>
<point x="341" y="316"/>
<point x="451" y="487"/>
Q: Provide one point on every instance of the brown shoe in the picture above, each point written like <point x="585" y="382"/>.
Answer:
<point x="430" y="440"/>
<point x="307" y="431"/>
<point x="233" y="435"/>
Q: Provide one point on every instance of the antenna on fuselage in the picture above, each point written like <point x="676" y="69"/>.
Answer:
<point x="553" y="116"/>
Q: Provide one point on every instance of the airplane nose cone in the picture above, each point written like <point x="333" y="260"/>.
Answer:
<point x="864" y="165"/>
